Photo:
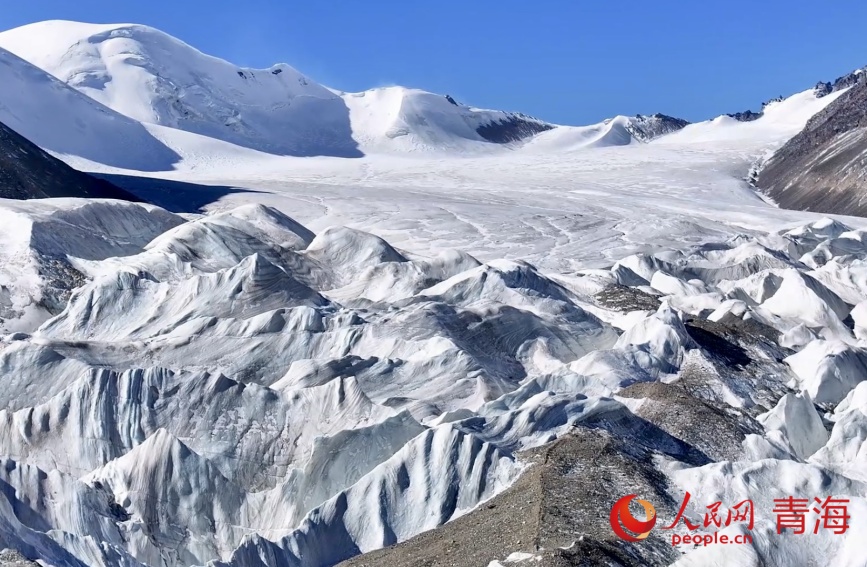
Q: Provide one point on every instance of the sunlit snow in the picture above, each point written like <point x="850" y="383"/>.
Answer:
<point x="355" y="340"/>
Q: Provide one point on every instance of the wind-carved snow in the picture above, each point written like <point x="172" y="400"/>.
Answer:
<point x="158" y="372"/>
<point x="42" y="240"/>
<point x="241" y="390"/>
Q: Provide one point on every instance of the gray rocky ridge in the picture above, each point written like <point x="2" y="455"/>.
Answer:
<point x="824" y="167"/>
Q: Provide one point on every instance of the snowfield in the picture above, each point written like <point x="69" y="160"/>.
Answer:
<point x="377" y="310"/>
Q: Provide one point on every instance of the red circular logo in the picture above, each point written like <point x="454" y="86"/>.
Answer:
<point x="623" y="520"/>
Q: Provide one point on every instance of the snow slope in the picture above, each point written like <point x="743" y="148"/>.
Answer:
<point x="822" y="168"/>
<point x="562" y="210"/>
<point x="61" y="120"/>
<point x="397" y="119"/>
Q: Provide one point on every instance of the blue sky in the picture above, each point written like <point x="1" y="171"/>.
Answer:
<point x="568" y="61"/>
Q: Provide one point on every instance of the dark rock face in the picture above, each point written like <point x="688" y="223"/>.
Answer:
<point x="745" y="116"/>
<point x="824" y="167"/>
<point x="513" y="128"/>
<point x="647" y="128"/>
<point x="627" y="299"/>
<point x="749" y="115"/>
<point x="517" y="126"/>
<point x="27" y="172"/>
<point x="824" y="89"/>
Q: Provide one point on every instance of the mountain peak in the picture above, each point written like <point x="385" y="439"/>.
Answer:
<point x="154" y="78"/>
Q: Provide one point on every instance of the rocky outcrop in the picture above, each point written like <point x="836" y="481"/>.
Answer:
<point x="646" y="128"/>
<point x="513" y="128"/>
<point x="847" y="80"/>
<point x="824" y="167"/>
<point x="12" y="558"/>
<point x="749" y="115"/>
<point x="559" y="503"/>
<point x="27" y="172"/>
<point x="745" y="116"/>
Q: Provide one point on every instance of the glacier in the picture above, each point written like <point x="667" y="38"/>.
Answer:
<point x="376" y="335"/>
<point x="236" y="391"/>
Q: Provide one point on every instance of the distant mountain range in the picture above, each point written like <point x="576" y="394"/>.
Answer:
<point x="154" y="88"/>
<point x="131" y="97"/>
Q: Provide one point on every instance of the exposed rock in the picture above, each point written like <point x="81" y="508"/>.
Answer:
<point x="60" y="278"/>
<point x="749" y="115"/>
<point x="824" y="167"/>
<point x="12" y="558"/>
<point x="676" y="411"/>
<point x="553" y="511"/>
<point x="847" y="80"/>
<point x="647" y="128"/>
<point x="823" y="89"/>
<point x="745" y="116"/>
<point x="512" y="129"/>
<point x="27" y="172"/>
<point x="625" y="299"/>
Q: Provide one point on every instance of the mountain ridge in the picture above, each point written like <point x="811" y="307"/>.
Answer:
<point x="154" y="78"/>
<point x="28" y="172"/>
<point x="824" y="167"/>
<point x="65" y="122"/>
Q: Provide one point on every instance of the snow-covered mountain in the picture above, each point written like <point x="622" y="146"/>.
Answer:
<point x="411" y="120"/>
<point x="153" y="78"/>
<point x="466" y="342"/>
<point x="647" y="128"/>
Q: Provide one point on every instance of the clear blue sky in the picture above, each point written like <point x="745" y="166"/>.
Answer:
<point x="568" y="61"/>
